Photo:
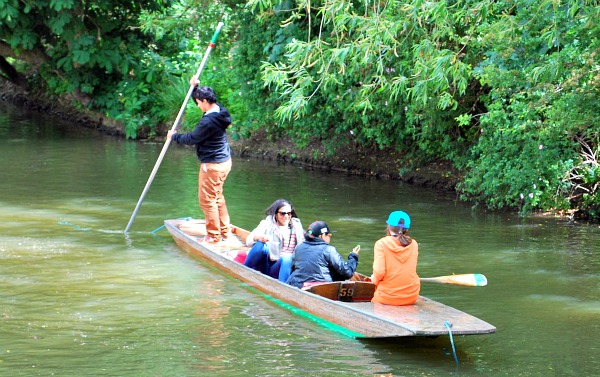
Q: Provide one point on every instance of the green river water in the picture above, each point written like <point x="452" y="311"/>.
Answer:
<point x="79" y="298"/>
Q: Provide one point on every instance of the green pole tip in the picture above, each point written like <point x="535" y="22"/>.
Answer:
<point x="216" y="35"/>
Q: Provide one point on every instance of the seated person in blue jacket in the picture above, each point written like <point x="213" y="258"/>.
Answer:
<point x="315" y="260"/>
<point x="273" y="241"/>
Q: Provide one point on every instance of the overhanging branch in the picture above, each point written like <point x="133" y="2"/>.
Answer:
<point x="34" y="57"/>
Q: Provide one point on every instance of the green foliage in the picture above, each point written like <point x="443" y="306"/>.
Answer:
<point x="379" y="70"/>
<point x="518" y="159"/>
<point x="584" y="175"/>
<point x="181" y="35"/>
<point x="92" y="50"/>
<point x="543" y="83"/>
<point x="502" y="89"/>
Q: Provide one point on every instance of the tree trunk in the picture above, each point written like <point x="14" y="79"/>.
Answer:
<point x="11" y="74"/>
<point x="34" y="58"/>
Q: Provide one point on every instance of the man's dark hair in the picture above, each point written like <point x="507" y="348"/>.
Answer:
<point x="204" y="92"/>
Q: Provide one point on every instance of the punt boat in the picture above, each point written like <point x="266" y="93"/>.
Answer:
<point x="345" y="304"/>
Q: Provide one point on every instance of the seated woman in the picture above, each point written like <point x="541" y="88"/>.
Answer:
<point x="395" y="264"/>
<point x="273" y="241"/>
<point x="316" y="260"/>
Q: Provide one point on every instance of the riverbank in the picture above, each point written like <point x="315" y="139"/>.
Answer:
<point x="352" y="159"/>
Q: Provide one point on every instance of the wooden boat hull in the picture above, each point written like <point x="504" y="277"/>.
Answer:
<point x="361" y="319"/>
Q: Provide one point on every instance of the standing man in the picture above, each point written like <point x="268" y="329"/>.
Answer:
<point x="214" y="154"/>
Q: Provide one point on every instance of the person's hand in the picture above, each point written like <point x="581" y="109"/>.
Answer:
<point x="356" y="249"/>
<point x="261" y="238"/>
<point x="194" y="81"/>
<point x="170" y="134"/>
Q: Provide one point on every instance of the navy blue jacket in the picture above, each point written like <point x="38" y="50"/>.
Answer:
<point x="316" y="260"/>
<point x="209" y="137"/>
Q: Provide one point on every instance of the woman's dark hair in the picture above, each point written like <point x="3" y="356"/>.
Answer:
<point x="274" y="208"/>
<point x="204" y="92"/>
<point x="401" y="234"/>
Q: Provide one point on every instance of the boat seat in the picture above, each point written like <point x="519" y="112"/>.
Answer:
<point x="347" y="291"/>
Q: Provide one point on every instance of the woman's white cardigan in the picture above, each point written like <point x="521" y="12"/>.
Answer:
<point x="270" y="228"/>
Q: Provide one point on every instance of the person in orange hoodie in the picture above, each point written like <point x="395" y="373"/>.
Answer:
<point x="395" y="264"/>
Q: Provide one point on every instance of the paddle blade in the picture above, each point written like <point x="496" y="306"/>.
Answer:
<point x="470" y="280"/>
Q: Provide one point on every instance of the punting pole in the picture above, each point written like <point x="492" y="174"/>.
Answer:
<point x="175" y="125"/>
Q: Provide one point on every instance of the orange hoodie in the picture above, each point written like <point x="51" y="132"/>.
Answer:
<point x="395" y="272"/>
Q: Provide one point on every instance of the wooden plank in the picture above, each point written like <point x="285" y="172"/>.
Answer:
<point x="348" y="291"/>
<point x="358" y="315"/>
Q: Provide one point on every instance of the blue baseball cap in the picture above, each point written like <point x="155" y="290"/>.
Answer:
<point x="399" y="218"/>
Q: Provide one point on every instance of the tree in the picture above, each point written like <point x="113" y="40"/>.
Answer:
<point x="484" y="84"/>
<point x="538" y="141"/>
<point x="88" y="49"/>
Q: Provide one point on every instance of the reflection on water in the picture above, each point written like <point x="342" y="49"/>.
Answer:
<point x="79" y="298"/>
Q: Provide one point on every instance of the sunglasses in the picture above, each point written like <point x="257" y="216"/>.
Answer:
<point x="285" y="213"/>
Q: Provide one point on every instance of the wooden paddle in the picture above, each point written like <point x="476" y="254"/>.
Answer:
<point x="470" y="280"/>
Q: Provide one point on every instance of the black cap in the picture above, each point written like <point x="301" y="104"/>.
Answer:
<point x="319" y="228"/>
